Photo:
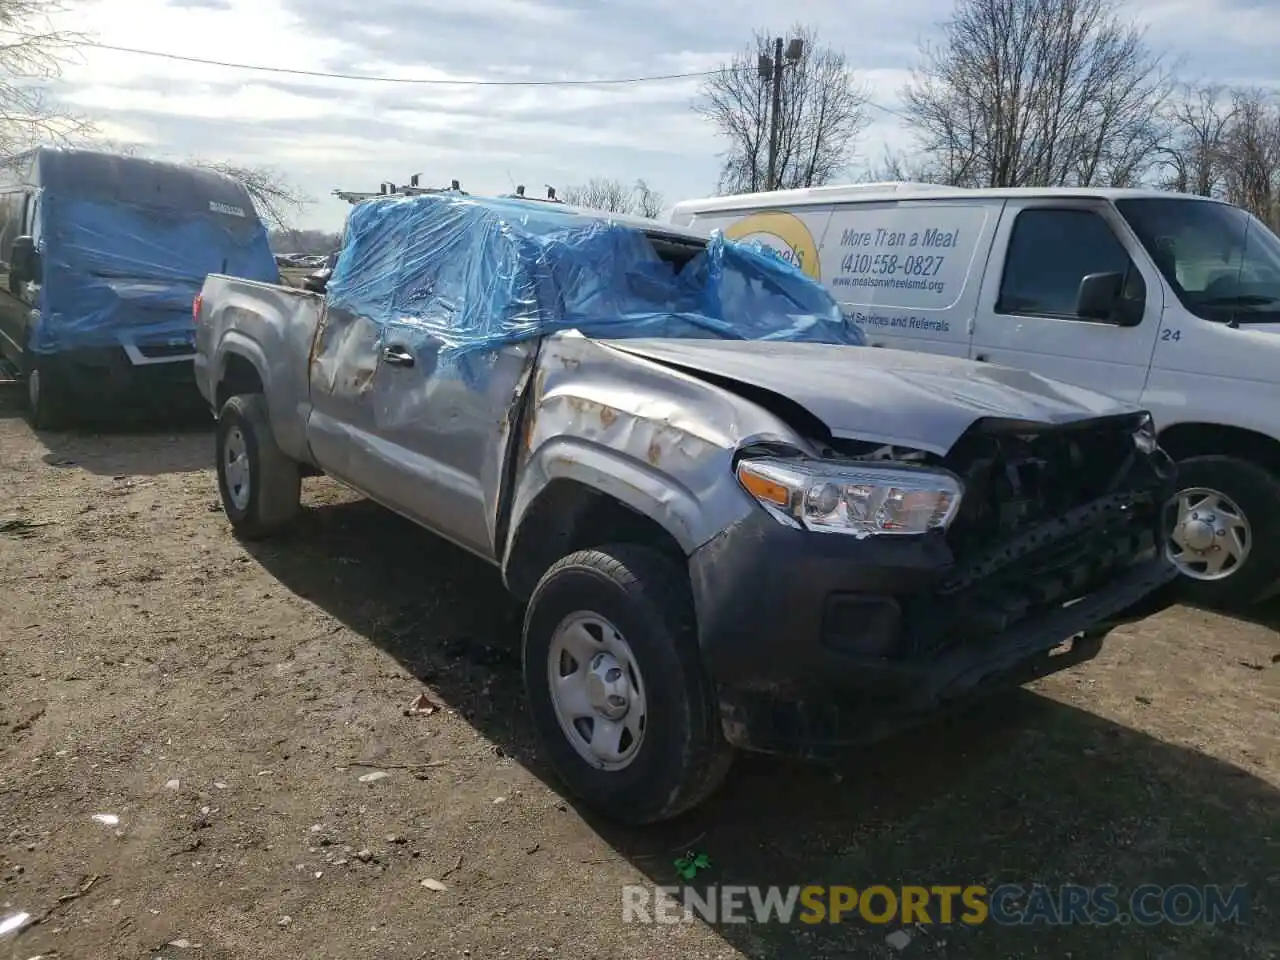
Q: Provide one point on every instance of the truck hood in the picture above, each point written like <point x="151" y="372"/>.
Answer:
<point x="919" y="400"/>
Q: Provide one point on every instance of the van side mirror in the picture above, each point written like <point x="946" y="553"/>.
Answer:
<point x="1101" y="297"/>
<point x="24" y="262"/>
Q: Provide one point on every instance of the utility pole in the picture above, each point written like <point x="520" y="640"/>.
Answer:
<point x="770" y="69"/>
<point x="775" y="109"/>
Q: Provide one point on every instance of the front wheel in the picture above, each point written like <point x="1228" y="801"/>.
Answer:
<point x="47" y="400"/>
<point x="261" y="487"/>
<point x="618" y="694"/>
<point x="1225" y="538"/>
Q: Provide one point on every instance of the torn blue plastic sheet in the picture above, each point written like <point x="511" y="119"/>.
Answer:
<point x="117" y="272"/>
<point x="474" y="274"/>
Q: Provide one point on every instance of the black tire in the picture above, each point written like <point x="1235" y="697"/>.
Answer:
<point x="682" y="757"/>
<point x="274" y="480"/>
<point x="1257" y="493"/>
<point x="48" y="402"/>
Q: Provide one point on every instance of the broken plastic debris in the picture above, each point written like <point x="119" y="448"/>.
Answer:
<point x="435" y="885"/>
<point x="14" y="923"/>
<point x="182" y="944"/>
<point x="422" y="706"/>
<point x="108" y="819"/>
<point x="173" y="784"/>
<point x="374" y="777"/>
<point x="899" y="939"/>
<point x="285" y="920"/>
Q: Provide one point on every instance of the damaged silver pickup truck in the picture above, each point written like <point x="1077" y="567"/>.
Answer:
<point x="733" y="524"/>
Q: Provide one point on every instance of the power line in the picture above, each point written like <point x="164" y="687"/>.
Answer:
<point x="371" y="78"/>
<point x="406" y="80"/>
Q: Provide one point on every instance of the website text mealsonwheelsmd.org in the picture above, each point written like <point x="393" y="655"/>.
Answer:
<point x="894" y="283"/>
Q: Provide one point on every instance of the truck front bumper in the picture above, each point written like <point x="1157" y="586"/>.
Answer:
<point x="820" y="640"/>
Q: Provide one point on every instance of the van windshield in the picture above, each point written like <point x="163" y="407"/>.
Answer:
<point x="1222" y="262"/>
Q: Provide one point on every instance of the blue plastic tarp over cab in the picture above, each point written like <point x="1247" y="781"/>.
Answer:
<point x="117" y="272"/>
<point x="474" y="274"/>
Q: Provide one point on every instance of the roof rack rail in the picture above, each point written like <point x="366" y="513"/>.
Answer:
<point x="390" y="189"/>
<point x="521" y="195"/>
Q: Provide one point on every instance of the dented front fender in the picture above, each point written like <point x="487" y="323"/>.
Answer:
<point x="655" y="439"/>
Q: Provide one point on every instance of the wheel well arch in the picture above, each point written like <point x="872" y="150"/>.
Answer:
<point x="1184" y="440"/>
<point x="239" y="375"/>
<point x="567" y="516"/>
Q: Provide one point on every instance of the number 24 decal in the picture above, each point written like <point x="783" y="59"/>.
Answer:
<point x="1170" y="334"/>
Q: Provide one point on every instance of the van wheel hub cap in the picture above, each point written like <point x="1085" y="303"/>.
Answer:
<point x="1211" y="536"/>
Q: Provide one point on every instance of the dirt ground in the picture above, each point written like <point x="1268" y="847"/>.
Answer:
<point x="224" y="703"/>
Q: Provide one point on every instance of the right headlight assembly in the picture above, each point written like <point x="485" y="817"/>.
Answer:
<point x="861" y="500"/>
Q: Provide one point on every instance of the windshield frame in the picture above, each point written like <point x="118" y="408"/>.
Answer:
<point x="1251" y="243"/>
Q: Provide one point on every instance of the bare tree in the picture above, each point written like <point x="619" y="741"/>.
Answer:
<point x="274" y="197"/>
<point x="599" y="193"/>
<point x="1194" y="156"/>
<point x="647" y="202"/>
<point x="896" y="166"/>
<point x="310" y="242"/>
<point x="1251" y="147"/>
<point x="1039" y="93"/>
<point x="823" y="111"/>
<point x="614" y="196"/>
<point x="32" y="52"/>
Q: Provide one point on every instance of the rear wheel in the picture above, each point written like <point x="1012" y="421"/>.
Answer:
<point x="261" y="487"/>
<point x="1225" y="538"/>
<point x="620" y="701"/>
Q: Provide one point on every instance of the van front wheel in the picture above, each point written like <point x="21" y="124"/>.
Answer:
<point x="1225" y="538"/>
<point x="47" y="402"/>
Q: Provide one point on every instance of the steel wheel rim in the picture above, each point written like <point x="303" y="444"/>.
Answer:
<point x="1211" y="537"/>
<point x="597" y="692"/>
<point x="235" y="468"/>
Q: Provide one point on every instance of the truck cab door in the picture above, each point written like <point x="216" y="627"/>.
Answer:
<point x="422" y="436"/>
<point x="1030" y="310"/>
<point x="438" y="432"/>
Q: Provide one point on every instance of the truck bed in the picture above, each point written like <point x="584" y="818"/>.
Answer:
<point x="273" y="326"/>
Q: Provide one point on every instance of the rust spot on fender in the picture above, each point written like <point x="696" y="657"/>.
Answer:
<point x="530" y="422"/>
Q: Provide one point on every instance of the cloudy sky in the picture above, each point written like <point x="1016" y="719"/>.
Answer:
<point x="349" y="134"/>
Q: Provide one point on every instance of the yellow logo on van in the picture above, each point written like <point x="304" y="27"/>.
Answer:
<point x="783" y="232"/>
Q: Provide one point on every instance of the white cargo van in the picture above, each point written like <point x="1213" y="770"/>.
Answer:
<point x="1167" y="300"/>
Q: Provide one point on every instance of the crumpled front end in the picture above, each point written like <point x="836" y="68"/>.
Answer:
<point x="819" y="640"/>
